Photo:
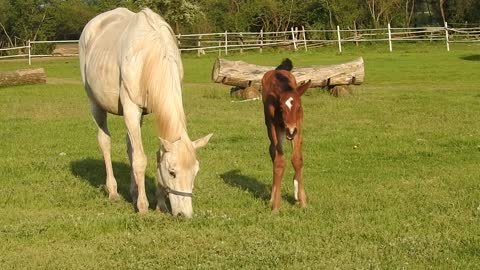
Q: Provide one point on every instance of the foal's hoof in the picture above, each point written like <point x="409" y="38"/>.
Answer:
<point x="275" y="211"/>
<point x="302" y="204"/>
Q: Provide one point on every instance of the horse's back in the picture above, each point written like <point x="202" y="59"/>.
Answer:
<point x="118" y="51"/>
<point x="98" y="54"/>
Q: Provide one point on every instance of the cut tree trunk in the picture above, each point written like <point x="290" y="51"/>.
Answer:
<point x="23" y="76"/>
<point x="242" y="74"/>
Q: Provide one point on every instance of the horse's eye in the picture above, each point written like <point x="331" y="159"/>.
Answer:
<point x="172" y="173"/>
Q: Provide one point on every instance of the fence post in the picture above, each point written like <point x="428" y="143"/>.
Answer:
<point x="304" y="38"/>
<point x="29" y="54"/>
<point x="446" y="36"/>
<point x="226" y="43"/>
<point x="241" y="42"/>
<point x="389" y="37"/>
<point x="293" y="39"/>
<point x="199" y="45"/>
<point x="261" y="40"/>
<point x="339" y="39"/>
<point x="220" y="48"/>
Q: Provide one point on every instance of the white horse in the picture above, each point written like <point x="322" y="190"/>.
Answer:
<point x="131" y="66"/>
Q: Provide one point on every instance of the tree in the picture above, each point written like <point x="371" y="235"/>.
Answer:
<point x="70" y="17"/>
<point x="178" y="13"/>
<point x="347" y="12"/>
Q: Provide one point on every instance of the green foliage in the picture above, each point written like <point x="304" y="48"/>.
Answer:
<point x="70" y="17"/>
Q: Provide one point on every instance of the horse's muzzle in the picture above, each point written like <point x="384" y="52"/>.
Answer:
<point x="290" y="133"/>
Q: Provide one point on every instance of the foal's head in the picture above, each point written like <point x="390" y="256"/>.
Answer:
<point x="289" y="101"/>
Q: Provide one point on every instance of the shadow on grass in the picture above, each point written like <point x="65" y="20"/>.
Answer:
<point x="473" y="57"/>
<point x="93" y="171"/>
<point x="258" y="189"/>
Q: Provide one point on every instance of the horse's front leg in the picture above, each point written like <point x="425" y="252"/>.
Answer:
<point x="278" y="158"/>
<point x="138" y="160"/>
<point x="160" y="193"/>
<point x="297" y="162"/>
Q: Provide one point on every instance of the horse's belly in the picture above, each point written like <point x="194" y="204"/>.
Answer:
<point x="104" y="90"/>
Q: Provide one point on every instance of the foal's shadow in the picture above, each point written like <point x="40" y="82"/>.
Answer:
<point x="93" y="171"/>
<point x="258" y="189"/>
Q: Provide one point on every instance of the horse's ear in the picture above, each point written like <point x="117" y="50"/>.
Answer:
<point x="202" y="142"/>
<point x="303" y="87"/>
<point x="168" y="146"/>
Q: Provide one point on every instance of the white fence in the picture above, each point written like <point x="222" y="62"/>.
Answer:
<point x="296" y="39"/>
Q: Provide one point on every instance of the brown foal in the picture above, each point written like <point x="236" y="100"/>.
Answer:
<point x="283" y="118"/>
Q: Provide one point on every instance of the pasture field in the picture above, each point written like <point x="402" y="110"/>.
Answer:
<point x="407" y="196"/>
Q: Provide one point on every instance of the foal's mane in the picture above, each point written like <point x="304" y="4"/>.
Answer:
<point x="161" y="77"/>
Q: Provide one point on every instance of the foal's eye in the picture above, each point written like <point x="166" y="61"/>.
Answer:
<point x="172" y="173"/>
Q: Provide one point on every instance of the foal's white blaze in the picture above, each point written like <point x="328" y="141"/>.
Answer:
<point x="295" y="189"/>
<point x="289" y="103"/>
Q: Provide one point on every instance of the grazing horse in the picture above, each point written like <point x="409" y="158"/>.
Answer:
<point x="283" y="117"/>
<point x="131" y="66"/>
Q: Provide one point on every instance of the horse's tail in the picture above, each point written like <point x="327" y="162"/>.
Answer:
<point x="286" y="65"/>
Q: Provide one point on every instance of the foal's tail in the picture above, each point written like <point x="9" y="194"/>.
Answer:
<point x="286" y="65"/>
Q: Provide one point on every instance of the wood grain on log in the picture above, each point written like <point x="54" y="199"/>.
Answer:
<point x="242" y="74"/>
<point x="23" y="76"/>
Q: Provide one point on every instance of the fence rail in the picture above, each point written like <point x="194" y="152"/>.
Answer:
<point x="295" y="38"/>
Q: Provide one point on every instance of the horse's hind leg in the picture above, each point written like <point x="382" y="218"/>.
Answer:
<point x="103" y="137"/>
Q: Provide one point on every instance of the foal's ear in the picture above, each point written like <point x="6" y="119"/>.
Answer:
<point x="202" y="142"/>
<point x="168" y="146"/>
<point x="303" y="87"/>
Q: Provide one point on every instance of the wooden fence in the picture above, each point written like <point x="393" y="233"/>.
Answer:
<point x="294" y="39"/>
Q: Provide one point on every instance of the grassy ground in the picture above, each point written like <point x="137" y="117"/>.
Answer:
<point x="407" y="196"/>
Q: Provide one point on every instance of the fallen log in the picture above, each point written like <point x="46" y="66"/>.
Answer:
<point x="243" y="75"/>
<point x="22" y="76"/>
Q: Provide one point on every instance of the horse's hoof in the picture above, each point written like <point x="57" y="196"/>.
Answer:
<point x="142" y="207"/>
<point x="275" y="211"/>
<point x="114" y="197"/>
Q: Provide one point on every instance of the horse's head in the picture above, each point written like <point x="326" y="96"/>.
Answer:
<point x="291" y="108"/>
<point x="177" y="166"/>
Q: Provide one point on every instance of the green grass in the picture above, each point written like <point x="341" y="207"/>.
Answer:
<point x="408" y="196"/>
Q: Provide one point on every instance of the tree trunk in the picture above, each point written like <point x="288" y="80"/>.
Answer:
<point x="23" y="76"/>
<point x="243" y="75"/>
<point x="442" y="11"/>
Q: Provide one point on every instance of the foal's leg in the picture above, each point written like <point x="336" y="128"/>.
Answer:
<point x="276" y="153"/>
<point x="103" y="136"/>
<point x="133" y="117"/>
<point x="297" y="162"/>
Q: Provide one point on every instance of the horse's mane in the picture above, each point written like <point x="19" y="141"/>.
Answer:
<point x="161" y="77"/>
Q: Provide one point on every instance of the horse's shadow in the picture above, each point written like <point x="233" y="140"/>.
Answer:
<point x="252" y="185"/>
<point x="93" y="171"/>
<point x="473" y="57"/>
